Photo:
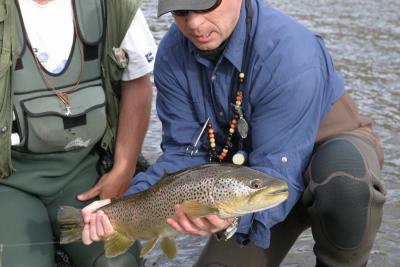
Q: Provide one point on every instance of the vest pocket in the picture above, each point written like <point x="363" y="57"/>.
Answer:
<point x="48" y="128"/>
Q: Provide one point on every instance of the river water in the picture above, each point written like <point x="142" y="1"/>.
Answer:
<point x="364" y="40"/>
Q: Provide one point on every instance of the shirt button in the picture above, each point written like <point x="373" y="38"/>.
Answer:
<point x="221" y="114"/>
<point x="3" y="129"/>
<point x="213" y="77"/>
<point x="284" y="159"/>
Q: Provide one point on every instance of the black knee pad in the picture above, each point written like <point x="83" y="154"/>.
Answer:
<point x="337" y="155"/>
<point x="340" y="195"/>
<point x="342" y="207"/>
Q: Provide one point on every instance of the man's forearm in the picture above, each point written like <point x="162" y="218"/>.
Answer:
<point x="134" y="116"/>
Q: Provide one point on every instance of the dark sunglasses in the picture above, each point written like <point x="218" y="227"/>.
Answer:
<point x="183" y="13"/>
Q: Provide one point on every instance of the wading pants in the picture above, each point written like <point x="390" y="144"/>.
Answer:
<point x="342" y="203"/>
<point x="28" y="228"/>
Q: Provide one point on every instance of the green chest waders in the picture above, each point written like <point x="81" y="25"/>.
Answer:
<point x="54" y="159"/>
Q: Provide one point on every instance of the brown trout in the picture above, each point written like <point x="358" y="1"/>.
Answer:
<point x="224" y="189"/>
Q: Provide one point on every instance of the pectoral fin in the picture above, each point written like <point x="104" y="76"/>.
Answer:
<point x="196" y="209"/>
<point x="148" y="246"/>
<point x="116" y="244"/>
<point x="168" y="246"/>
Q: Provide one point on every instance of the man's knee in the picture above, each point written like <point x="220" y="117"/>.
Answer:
<point x="93" y="256"/>
<point x="344" y="198"/>
<point x="342" y="191"/>
<point x="334" y="156"/>
<point x="127" y="259"/>
<point x="341" y="206"/>
<point x="130" y="258"/>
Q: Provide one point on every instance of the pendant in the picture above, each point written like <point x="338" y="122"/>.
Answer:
<point x="68" y="112"/>
<point x="240" y="157"/>
<point x="243" y="127"/>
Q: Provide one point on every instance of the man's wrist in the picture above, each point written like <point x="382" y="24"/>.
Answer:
<point x="224" y="235"/>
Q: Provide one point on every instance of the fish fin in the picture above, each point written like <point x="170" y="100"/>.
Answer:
<point x="116" y="244"/>
<point x="71" y="224"/>
<point x="196" y="209"/>
<point x="168" y="246"/>
<point x="165" y="174"/>
<point x="148" y="246"/>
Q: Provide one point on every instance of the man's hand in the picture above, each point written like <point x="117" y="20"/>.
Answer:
<point x="133" y="120"/>
<point x="111" y="184"/>
<point x="97" y="225"/>
<point x="197" y="226"/>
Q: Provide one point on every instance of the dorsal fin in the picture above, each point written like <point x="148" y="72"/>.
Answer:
<point x="165" y="174"/>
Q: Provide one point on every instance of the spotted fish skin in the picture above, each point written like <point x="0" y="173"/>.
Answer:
<point x="224" y="189"/>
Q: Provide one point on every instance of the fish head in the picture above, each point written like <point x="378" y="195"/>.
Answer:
<point x="244" y="190"/>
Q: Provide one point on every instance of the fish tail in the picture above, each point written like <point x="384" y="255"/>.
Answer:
<point x="71" y="224"/>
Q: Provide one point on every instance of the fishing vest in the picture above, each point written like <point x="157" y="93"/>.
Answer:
<point x="38" y="117"/>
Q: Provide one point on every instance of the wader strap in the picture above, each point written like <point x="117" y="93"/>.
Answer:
<point x="7" y="43"/>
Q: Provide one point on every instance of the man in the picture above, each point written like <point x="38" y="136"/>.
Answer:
<point x="264" y="86"/>
<point x="65" y="119"/>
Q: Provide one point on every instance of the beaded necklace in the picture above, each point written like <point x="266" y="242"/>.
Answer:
<point x="237" y="122"/>
<point x="237" y="117"/>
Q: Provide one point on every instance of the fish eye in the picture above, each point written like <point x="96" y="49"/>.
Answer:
<point x="255" y="184"/>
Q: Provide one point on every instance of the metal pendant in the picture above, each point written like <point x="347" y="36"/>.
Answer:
<point x="68" y="111"/>
<point x="243" y="127"/>
<point x="240" y="157"/>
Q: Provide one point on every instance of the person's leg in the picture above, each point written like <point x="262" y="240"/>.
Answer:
<point x="344" y="199"/>
<point x="229" y="253"/>
<point x="80" y="254"/>
<point x="26" y="238"/>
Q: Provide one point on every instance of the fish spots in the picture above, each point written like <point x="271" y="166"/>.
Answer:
<point x="221" y="186"/>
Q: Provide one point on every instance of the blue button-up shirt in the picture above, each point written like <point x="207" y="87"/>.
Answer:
<point x="290" y="85"/>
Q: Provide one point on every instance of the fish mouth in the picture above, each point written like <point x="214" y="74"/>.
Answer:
<point x="279" y="192"/>
<point x="269" y="197"/>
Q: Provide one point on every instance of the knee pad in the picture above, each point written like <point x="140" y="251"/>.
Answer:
<point x="340" y="194"/>
<point x="342" y="208"/>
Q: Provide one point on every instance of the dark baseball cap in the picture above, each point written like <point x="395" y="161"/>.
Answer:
<point x="165" y="6"/>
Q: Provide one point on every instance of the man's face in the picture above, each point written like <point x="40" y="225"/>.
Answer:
<point x="208" y="31"/>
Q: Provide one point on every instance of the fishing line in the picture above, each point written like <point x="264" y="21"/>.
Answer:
<point x="1" y="255"/>
<point x="27" y="244"/>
